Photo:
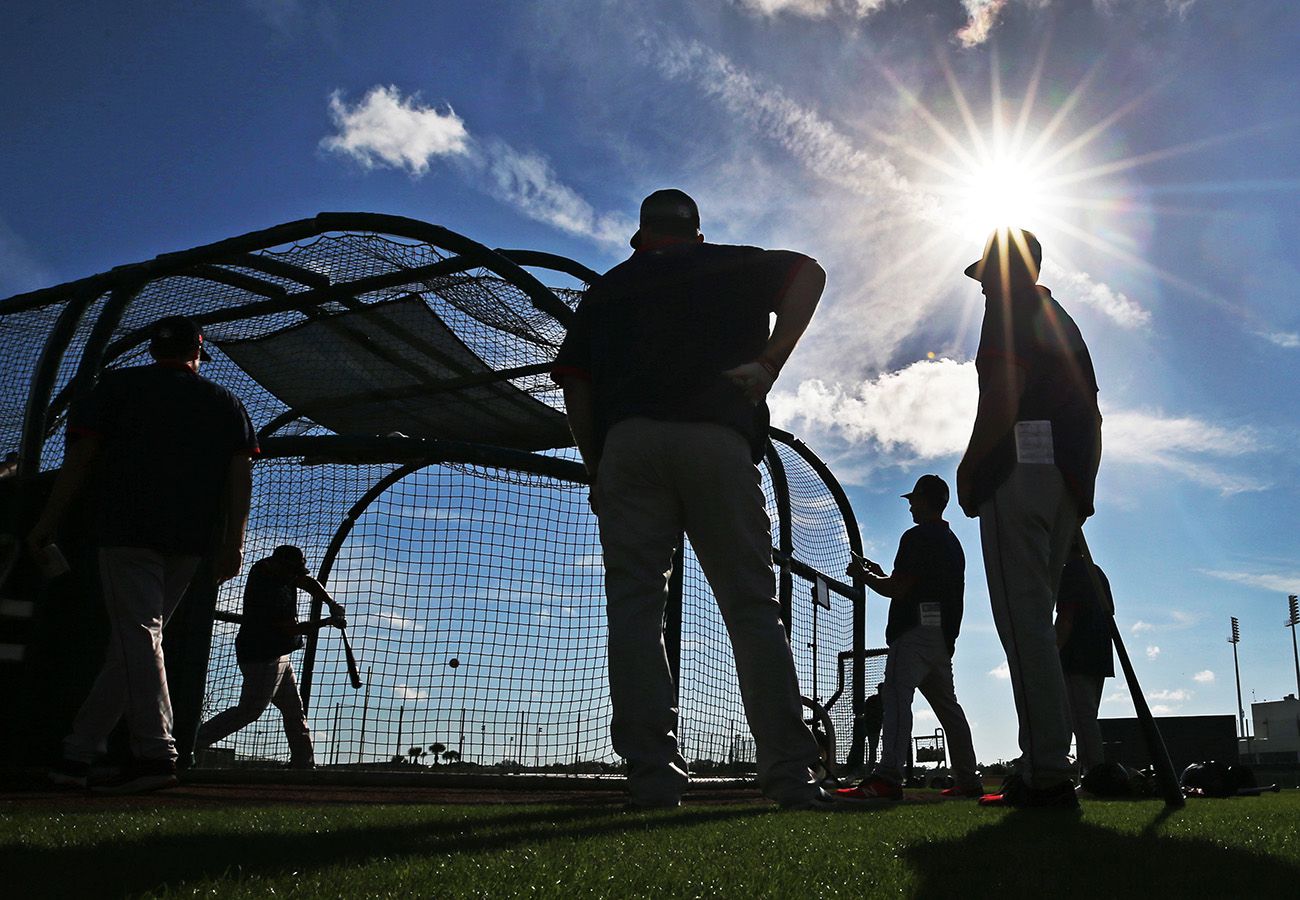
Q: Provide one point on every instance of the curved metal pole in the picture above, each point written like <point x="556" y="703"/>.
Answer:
<point x="327" y="564"/>
<point x="47" y="370"/>
<point x="785" y="537"/>
<point x="856" y="747"/>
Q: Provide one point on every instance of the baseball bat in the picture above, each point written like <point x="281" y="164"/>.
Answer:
<point x="1256" y="791"/>
<point x="353" y="673"/>
<point x="1166" y="777"/>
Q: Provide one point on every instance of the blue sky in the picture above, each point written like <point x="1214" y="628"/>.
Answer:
<point x="1151" y="145"/>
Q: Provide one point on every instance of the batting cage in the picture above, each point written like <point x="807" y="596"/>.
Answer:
<point x="414" y="446"/>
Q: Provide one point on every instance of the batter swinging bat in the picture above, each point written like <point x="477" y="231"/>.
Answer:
<point x="1166" y="777"/>
<point x="353" y="673"/>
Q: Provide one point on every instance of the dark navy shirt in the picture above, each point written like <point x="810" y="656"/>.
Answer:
<point x="655" y="333"/>
<point x="932" y="555"/>
<point x="1033" y="332"/>
<point x="1088" y="650"/>
<point x="168" y="436"/>
<point x="270" y="627"/>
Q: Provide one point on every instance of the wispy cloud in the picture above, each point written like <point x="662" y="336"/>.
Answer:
<point x="402" y="692"/>
<point x="1287" y="340"/>
<point x="1179" y="620"/>
<point x="1279" y="582"/>
<point x="1179" y="444"/>
<point x="1081" y="288"/>
<point x="388" y="130"/>
<point x="1205" y="676"/>
<point x="813" y="9"/>
<point x="1180" y="695"/>
<point x="1153" y="652"/>
<point x="1002" y="671"/>
<point x="981" y="15"/>
<point x="397" y="623"/>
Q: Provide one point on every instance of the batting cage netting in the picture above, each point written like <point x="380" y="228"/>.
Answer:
<point x="414" y="446"/>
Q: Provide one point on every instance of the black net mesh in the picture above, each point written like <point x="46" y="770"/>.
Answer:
<point x="474" y="592"/>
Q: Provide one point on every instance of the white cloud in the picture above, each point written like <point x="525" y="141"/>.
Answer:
<point x="1153" y="652"/>
<point x="386" y="129"/>
<point x="1001" y="671"/>
<point x="923" y="411"/>
<point x="1120" y="696"/>
<point x="1139" y="627"/>
<point x="402" y="692"/>
<point x="1181" y="695"/>
<point x="1282" y="583"/>
<point x="1163" y="709"/>
<point x="1288" y="340"/>
<point x="1205" y="676"/>
<point x="983" y="15"/>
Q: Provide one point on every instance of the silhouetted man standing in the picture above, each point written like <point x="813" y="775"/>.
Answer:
<point x="167" y="454"/>
<point x="925" y="612"/>
<point x="665" y="369"/>
<point x="1028" y="473"/>
<point x="1087" y="660"/>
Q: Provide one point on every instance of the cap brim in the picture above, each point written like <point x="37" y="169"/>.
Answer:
<point x="971" y="270"/>
<point x="635" y="240"/>
<point x="204" y="354"/>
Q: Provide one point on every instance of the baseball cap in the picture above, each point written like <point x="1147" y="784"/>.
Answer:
<point x="290" y="557"/>
<point x="1009" y="237"/>
<point x="932" y="488"/>
<point x="669" y="211"/>
<point x="175" y="336"/>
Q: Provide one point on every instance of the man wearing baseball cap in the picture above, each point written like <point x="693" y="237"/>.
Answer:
<point x="665" y="369"/>
<point x="270" y="631"/>
<point x="925" y="608"/>
<point x="1028" y="474"/>
<point x="166" y="455"/>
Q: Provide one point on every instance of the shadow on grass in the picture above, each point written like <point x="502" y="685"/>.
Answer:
<point x="1047" y="853"/>
<point x="120" y="866"/>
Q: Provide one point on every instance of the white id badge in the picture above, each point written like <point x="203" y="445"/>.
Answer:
<point x="1034" y="442"/>
<point x="930" y="615"/>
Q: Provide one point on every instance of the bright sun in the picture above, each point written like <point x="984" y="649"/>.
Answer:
<point x="1001" y="191"/>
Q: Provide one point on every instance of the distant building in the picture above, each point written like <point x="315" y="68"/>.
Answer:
<point x="1276" y="727"/>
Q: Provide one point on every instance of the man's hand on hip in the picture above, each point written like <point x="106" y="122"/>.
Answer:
<point x="753" y="378"/>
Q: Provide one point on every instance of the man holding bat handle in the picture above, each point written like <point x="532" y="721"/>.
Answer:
<point x="269" y="633"/>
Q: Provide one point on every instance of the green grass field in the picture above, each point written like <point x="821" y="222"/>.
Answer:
<point x="1241" y="847"/>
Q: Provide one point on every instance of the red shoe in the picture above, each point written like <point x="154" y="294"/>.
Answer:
<point x="874" y="788"/>
<point x="962" y="793"/>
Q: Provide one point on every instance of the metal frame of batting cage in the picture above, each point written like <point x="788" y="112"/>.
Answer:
<point x="228" y="263"/>
<point x="42" y="411"/>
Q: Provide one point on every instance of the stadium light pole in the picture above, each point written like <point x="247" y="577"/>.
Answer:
<point x="1292" y="621"/>
<point x="1234" y="640"/>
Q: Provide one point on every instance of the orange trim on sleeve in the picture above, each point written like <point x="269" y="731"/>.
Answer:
<point x="789" y="280"/>
<point x="1001" y="354"/>
<point x="559" y="373"/>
